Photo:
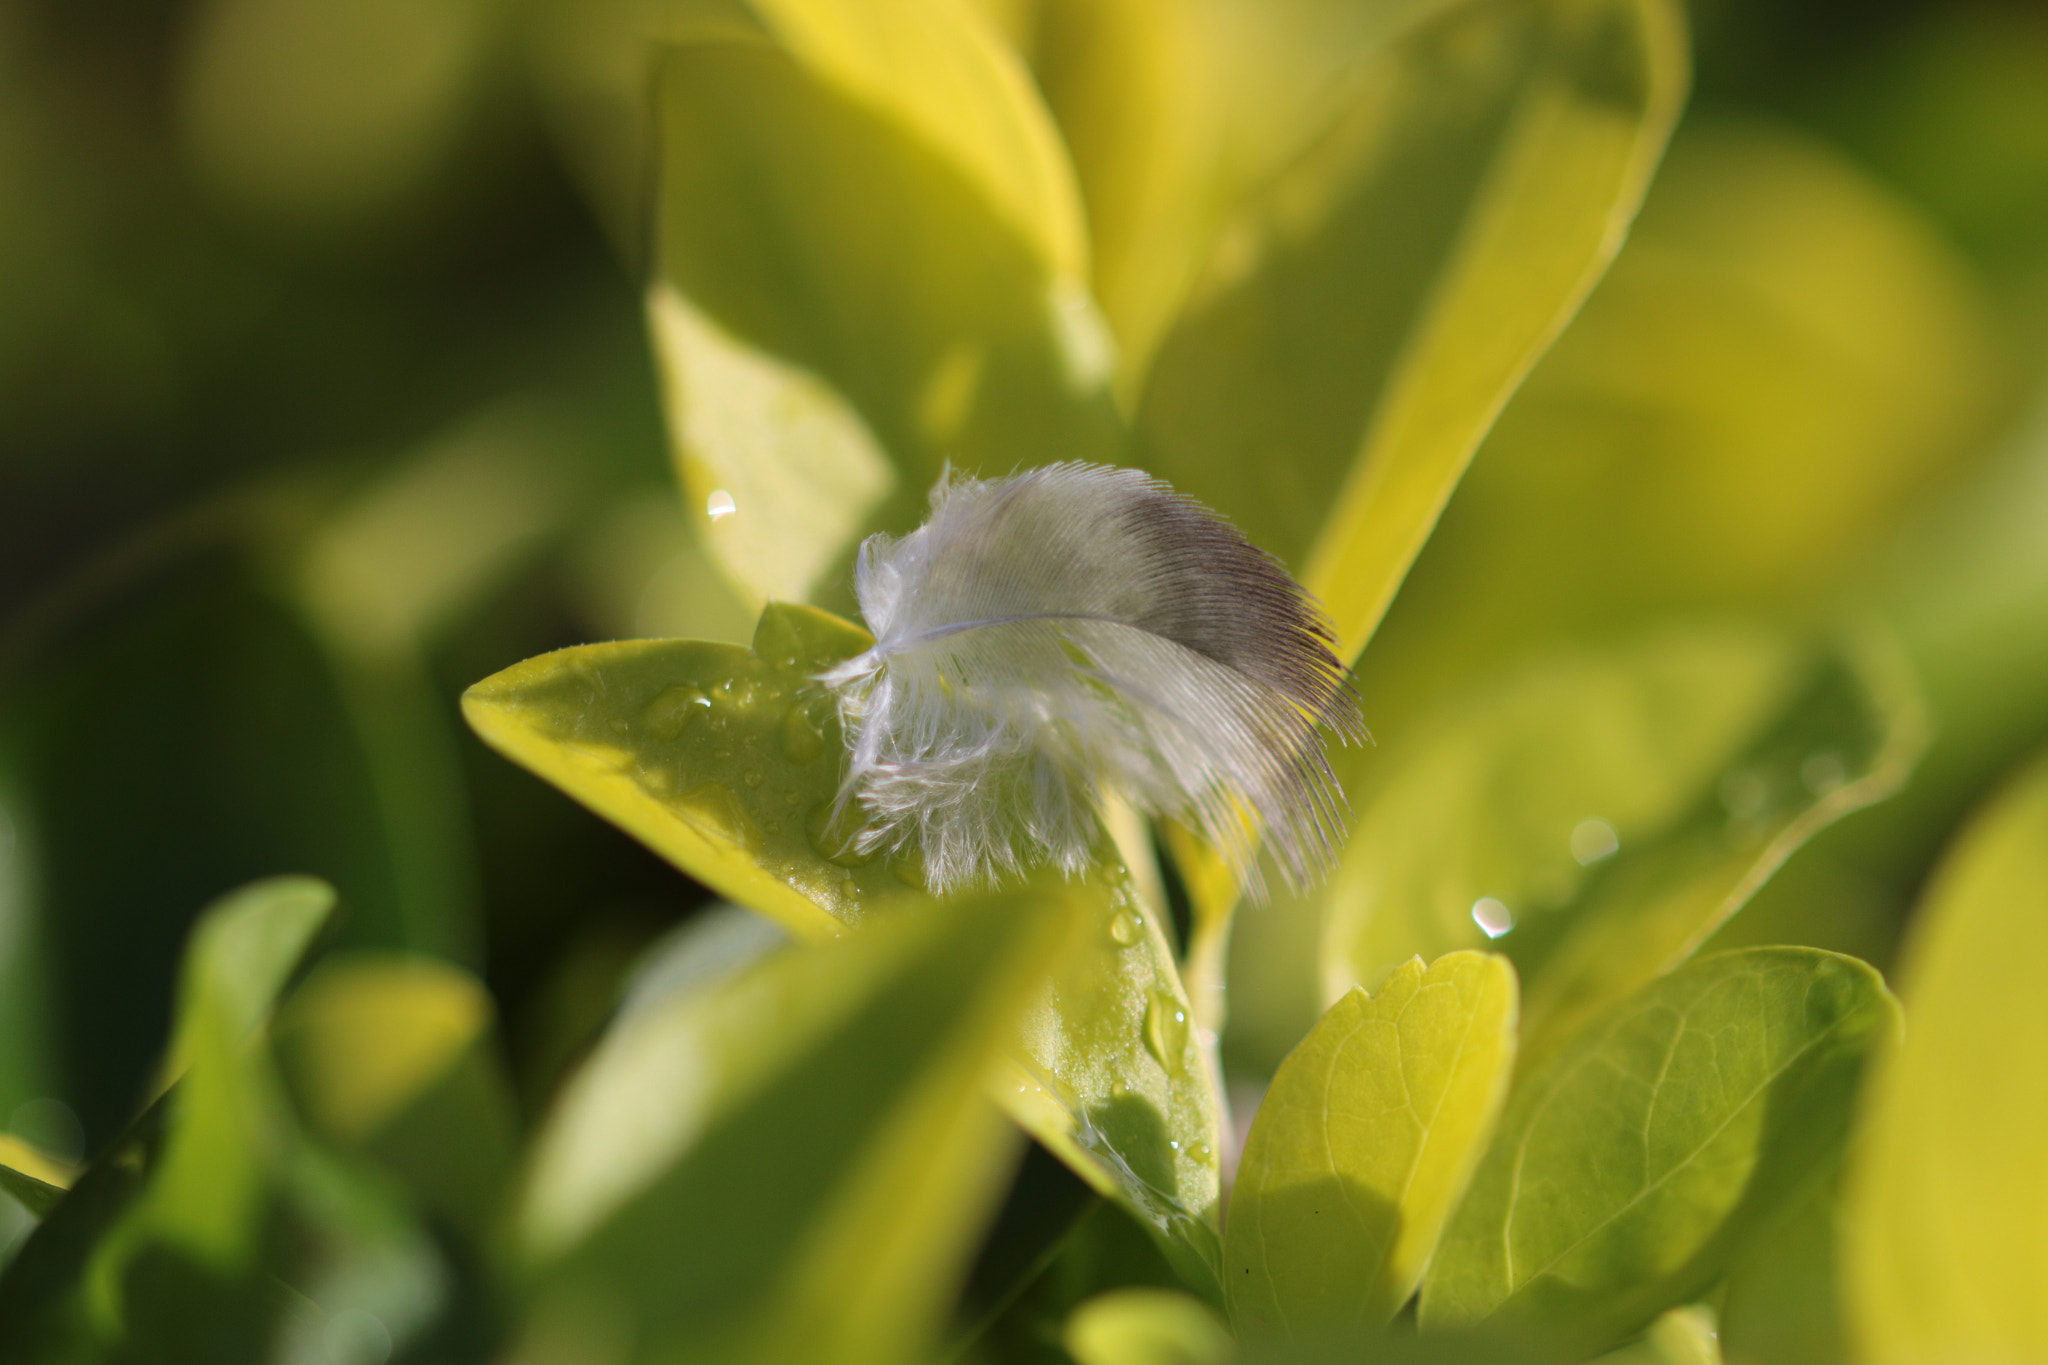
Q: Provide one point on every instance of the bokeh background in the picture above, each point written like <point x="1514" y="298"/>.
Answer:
<point x="325" y="391"/>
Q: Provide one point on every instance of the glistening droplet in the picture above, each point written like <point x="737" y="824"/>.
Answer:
<point x="803" y="739"/>
<point x="1126" y="927"/>
<point x="1166" y="1030"/>
<point x="672" y="712"/>
<point x="1492" y="916"/>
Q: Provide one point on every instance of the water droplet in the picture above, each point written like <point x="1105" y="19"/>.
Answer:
<point x="1492" y="916"/>
<point x="752" y="777"/>
<point x="834" y="838"/>
<point x="719" y="505"/>
<point x="909" y="870"/>
<point x="1126" y="927"/>
<point x="620" y="726"/>
<point x="721" y="756"/>
<point x="1823" y="772"/>
<point x="1592" y="840"/>
<point x="671" y="713"/>
<point x="803" y="739"/>
<point x="1166" y="1030"/>
<point x="1202" y="1152"/>
<point x="1173" y="1143"/>
<point x="717" y="808"/>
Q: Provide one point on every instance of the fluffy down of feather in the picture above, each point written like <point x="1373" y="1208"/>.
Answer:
<point x="1047" y="638"/>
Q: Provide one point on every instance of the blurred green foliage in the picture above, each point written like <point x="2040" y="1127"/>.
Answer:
<point x="353" y="352"/>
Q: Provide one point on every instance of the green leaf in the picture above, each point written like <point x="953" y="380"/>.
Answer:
<point x="1363" y="1145"/>
<point x="1615" y="808"/>
<point x="394" y="1057"/>
<point x="869" y="260"/>
<point x="783" y="1167"/>
<point x="167" y="1232"/>
<point x="727" y="762"/>
<point x="1146" y="1327"/>
<point x="1943" y="1253"/>
<point x="205" y="1197"/>
<point x="1365" y="317"/>
<point x="1632" y="1165"/>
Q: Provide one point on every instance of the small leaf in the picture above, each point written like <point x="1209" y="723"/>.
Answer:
<point x="1943" y="1252"/>
<point x="1146" y="1327"/>
<point x="727" y="762"/>
<point x="781" y="1168"/>
<point x="393" y="1056"/>
<point x="1363" y="1145"/>
<point x="1599" y="815"/>
<point x="1683" y="1336"/>
<point x="1633" y="1163"/>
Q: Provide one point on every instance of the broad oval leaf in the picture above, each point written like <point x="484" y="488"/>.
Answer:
<point x="1363" y="1144"/>
<point x="1632" y="1164"/>
<point x="1942" y="1251"/>
<point x="780" y="1167"/>
<point x="727" y="762"/>
<point x="1600" y="814"/>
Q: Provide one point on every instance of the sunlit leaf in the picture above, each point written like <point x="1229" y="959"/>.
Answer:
<point x="393" y="1056"/>
<point x="869" y="260"/>
<point x="1944" y="1252"/>
<point x="1683" y="1336"/>
<point x="727" y="762"/>
<point x="1599" y="815"/>
<point x="1632" y="1164"/>
<point x="1363" y="1144"/>
<point x="1368" y="314"/>
<point x="1146" y="1327"/>
<point x="782" y="1167"/>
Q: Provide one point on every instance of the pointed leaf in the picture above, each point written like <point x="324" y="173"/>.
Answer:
<point x="1943" y="1249"/>
<point x="1631" y="1165"/>
<point x="1363" y="1145"/>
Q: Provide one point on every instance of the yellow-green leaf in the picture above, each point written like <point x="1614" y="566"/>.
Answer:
<point x="1600" y="814"/>
<point x="1363" y="1145"/>
<point x="1633" y="1164"/>
<point x="394" y="1056"/>
<point x="1945" y="1239"/>
<point x="869" y="260"/>
<point x="728" y="761"/>
<point x="1146" y="1327"/>
<point x="1365" y="317"/>
<point x="782" y="1167"/>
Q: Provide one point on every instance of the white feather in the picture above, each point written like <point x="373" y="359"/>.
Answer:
<point x="1048" y="637"/>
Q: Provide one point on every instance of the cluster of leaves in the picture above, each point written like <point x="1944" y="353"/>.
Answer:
<point x="1532" y="1090"/>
